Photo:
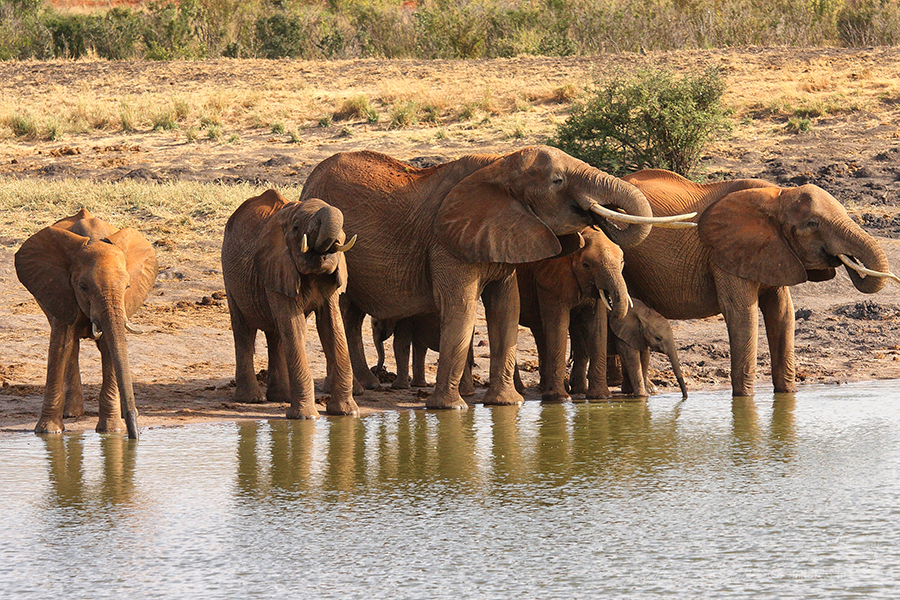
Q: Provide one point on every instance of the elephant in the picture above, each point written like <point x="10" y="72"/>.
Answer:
<point x="89" y="278"/>
<point x="633" y="336"/>
<point x="754" y="239"/>
<point x="422" y="332"/>
<point x="433" y="240"/>
<point x="573" y="291"/>
<point x="281" y="260"/>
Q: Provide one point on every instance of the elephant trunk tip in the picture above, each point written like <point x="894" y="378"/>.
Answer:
<point x="131" y="424"/>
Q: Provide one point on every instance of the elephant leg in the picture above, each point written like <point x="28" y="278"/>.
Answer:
<point x="291" y="323"/>
<point x="467" y="383"/>
<point x="74" y="406"/>
<point x="458" y="300"/>
<point x="278" y="387"/>
<point x="631" y="369"/>
<point x="62" y="339"/>
<point x="778" y="315"/>
<point x="540" y="343"/>
<point x="501" y="308"/>
<point x="555" y="321"/>
<point x="353" y="322"/>
<point x="246" y="387"/>
<point x="597" y="344"/>
<point x="738" y="299"/>
<point x="419" y="354"/>
<point x="645" y="371"/>
<point x="110" y="410"/>
<point x="578" y="383"/>
<point x="337" y="356"/>
<point x="403" y="339"/>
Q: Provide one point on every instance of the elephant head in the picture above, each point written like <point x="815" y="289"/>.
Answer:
<point x="645" y="329"/>
<point x="531" y="204"/>
<point x="785" y="236"/>
<point x="94" y="285"/>
<point x="306" y="238"/>
<point x="598" y="270"/>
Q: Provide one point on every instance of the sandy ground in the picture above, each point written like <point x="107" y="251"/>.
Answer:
<point x="183" y="364"/>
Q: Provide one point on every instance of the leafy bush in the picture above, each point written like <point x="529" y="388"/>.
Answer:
<point x="649" y="120"/>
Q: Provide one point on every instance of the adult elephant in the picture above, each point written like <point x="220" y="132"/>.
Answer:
<point x="281" y="261"/>
<point x="432" y="240"/>
<point x="754" y="239"/>
<point x="577" y="290"/>
<point x="89" y="278"/>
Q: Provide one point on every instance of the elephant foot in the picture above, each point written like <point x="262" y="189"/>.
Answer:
<point x="278" y="396"/>
<point x="502" y="397"/>
<point x="249" y="395"/>
<point x="110" y="425"/>
<point x="367" y="380"/>
<point x="305" y="410"/>
<point x="401" y="384"/>
<point x="446" y="401"/>
<point x="466" y="387"/>
<point x="49" y="425"/>
<point x="357" y="387"/>
<point x="597" y="392"/>
<point x="342" y="407"/>
<point x="422" y="383"/>
<point x="651" y="389"/>
<point x="74" y="407"/>
<point x="578" y="386"/>
<point x="555" y="397"/>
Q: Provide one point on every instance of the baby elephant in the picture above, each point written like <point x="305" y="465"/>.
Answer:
<point x="89" y="278"/>
<point x="282" y="260"/>
<point x="634" y="335"/>
<point x="422" y="332"/>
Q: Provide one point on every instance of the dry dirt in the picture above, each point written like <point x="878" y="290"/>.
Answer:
<point x="183" y="364"/>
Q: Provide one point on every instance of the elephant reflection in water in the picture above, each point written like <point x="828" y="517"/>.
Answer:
<point x="65" y="455"/>
<point x="749" y="443"/>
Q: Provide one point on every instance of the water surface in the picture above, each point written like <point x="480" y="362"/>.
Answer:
<point x="787" y="496"/>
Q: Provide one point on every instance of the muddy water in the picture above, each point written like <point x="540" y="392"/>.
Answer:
<point x="782" y="496"/>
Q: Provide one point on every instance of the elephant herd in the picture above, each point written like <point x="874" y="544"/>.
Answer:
<point x="543" y="239"/>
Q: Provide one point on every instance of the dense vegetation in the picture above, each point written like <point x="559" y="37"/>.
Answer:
<point x="652" y="119"/>
<point x="327" y="29"/>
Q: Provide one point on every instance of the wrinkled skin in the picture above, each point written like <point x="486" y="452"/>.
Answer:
<point x="87" y="276"/>
<point x="435" y="240"/>
<point x="559" y="293"/>
<point x="423" y="333"/>
<point x="272" y="285"/>
<point x="753" y="240"/>
<point x="633" y="336"/>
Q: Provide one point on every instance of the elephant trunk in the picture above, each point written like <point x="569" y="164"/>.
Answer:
<point x="857" y="244"/>
<point x="325" y="229"/>
<point x="619" y="299"/>
<point x="597" y="187"/>
<point x="113" y="331"/>
<point x="676" y="368"/>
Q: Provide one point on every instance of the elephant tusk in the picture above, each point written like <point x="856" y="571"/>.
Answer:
<point x="347" y="246"/>
<point x="670" y="222"/>
<point x="604" y="295"/>
<point x="852" y="264"/>
<point x="630" y="301"/>
<point x="96" y="332"/>
<point x="304" y="245"/>
<point x="129" y="326"/>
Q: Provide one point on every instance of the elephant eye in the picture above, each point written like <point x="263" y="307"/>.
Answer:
<point x="813" y="224"/>
<point x="557" y="180"/>
<point x="83" y="286"/>
<point x="586" y="265"/>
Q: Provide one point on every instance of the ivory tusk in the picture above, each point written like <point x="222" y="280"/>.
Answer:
<point x="630" y="301"/>
<point x="670" y="222"/>
<point x="96" y="332"/>
<point x="604" y="295"/>
<point x="304" y="245"/>
<point x="129" y="326"/>
<point x="864" y="271"/>
<point x="347" y="246"/>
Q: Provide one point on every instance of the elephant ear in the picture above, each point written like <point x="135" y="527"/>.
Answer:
<point x="140" y="261"/>
<point x="42" y="265"/>
<point x="628" y="329"/>
<point x="746" y="239"/>
<point x="480" y="221"/>
<point x="273" y="259"/>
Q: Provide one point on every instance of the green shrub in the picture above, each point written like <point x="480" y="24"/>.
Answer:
<point x="650" y="120"/>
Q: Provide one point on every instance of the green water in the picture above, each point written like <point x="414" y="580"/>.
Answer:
<point x="788" y="496"/>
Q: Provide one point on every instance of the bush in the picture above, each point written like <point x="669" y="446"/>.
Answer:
<point x="649" y="120"/>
